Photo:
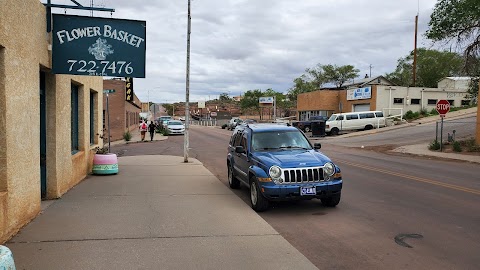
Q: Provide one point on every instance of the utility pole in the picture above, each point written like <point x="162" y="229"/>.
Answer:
<point x="415" y="54"/>
<point x="187" y="91"/>
<point x="370" y="70"/>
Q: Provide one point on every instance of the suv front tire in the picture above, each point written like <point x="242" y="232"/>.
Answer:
<point x="259" y="203"/>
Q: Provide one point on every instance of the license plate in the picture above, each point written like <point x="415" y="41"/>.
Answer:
<point x="308" y="191"/>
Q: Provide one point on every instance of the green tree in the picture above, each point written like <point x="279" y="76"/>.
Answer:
<point x="168" y="108"/>
<point x="249" y="101"/>
<point x="314" y="78"/>
<point x="432" y="65"/>
<point x="458" y="21"/>
<point x="224" y="97"/>
<point x="338" y="75"/>
<point x="301" y="85"/>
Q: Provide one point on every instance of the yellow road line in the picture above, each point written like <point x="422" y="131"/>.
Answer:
<point x="419" y="179"/>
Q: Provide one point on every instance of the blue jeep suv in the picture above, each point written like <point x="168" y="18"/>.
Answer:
<point x="278" y="163"/>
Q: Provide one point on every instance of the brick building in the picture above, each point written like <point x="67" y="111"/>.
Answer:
<point x="124" y="115"/>
<point x="376" y="94"/>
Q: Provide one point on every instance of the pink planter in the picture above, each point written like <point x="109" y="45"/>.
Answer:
<point x="105" y="164"/>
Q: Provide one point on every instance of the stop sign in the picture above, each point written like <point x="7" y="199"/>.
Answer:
<point x="443" y="107"/>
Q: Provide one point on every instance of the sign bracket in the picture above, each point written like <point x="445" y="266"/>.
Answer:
<point x="49" y="6"/>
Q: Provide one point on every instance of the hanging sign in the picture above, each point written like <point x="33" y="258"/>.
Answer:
<point x="98" y="46"/>
<point x="129" y="89"/>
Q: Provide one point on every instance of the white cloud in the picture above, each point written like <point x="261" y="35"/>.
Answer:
<point x="238" y="45"/>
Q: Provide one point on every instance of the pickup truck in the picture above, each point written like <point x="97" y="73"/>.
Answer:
<point x="306" y="126"/>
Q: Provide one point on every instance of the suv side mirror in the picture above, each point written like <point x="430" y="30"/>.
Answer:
<point x="317" y="145"/>
<point x="239" y="149"/>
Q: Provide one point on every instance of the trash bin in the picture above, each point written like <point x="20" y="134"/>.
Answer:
<point x="318" y="128"/>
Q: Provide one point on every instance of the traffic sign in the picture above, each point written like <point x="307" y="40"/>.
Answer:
<point x="108" y="91"/>
<point x="443" y="107"/>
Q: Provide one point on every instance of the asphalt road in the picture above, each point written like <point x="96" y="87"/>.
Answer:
<point x="389" y="202"/>
<point x="463" y="128"/>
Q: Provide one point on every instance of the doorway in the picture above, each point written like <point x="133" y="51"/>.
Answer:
<point x="43" y="136"/>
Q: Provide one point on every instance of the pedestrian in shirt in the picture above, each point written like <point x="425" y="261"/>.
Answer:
<point x="151" y="129"/>
<point x="143" y="129"/>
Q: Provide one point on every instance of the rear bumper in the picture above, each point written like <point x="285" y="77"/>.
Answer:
<point x="292" y="192"/>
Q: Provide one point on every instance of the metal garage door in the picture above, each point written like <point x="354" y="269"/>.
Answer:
<point x="361" y="107"/>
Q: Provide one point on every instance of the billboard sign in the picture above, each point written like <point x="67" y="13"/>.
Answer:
<point x="359" y="93"/>
<point x="98" y="46"/>
<point x="266" y="101"/>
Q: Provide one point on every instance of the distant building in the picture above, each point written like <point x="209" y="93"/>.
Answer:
<point x="459" y="83"/>
<point x="124" y="115"/>
<point x="377" y="94"/>
<point x="237" y="98"/>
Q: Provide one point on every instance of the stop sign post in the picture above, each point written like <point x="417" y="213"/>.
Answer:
<point x="443" y="107"/>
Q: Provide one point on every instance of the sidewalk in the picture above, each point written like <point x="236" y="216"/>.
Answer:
<point x="136" y="138"/>
<point x="157" y="213"/>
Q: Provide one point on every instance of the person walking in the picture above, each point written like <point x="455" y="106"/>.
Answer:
<point x="151" y="129"/>
<point x="143" y="129"/>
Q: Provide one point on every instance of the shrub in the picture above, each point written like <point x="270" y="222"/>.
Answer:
<point x="164" y="132"/>
<point x="159" y="128"/>
<point x="435" y="145"/>
<point x="409" y="115"/>
<point x="457" y="147"/>
<point x="471" y="145"/>
<point x="423" y="112"/>
<point x="127" y="136"/>
<point x="433" y="112"/>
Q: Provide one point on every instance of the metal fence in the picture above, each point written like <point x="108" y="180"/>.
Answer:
<point x="206" y="122"/>
<point x="455" y="129"/>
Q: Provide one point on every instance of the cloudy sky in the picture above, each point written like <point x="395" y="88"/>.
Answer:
<point x="239" y="45"/>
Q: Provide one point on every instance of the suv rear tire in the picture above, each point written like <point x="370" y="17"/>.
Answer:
<point x="233" y="182"/>
<point x="259" y="203"/>
<point x="331" y="201"/>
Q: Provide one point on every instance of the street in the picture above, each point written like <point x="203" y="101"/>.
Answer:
<point x="397" y="211"/>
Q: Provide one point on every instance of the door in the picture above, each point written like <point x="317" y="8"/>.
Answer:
<point x="361" y="107"/>
<point x="242" y="159"/>
<point x="43" y="136"/>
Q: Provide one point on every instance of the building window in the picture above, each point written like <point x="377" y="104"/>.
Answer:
<point x="74" y="118"/>
<point x="415" y="101"/>
<point x="451" y="101"/>
<point x="398" y="101"/>
<point x="432" y="102"/>
<point x="93" y="101"/>
<point x="465" y="102"/>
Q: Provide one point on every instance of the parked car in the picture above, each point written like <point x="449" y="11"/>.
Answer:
<point x="234" y="122"/>
<point x="175" y="127"/>
<point x="306" y="126"/>
<point x="278" y="163"/>
<point x="354" y="121"/>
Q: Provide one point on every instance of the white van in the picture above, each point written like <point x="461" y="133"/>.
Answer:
<point x="354" y="121"/>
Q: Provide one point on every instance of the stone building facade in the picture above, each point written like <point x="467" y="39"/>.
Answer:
<point x="124" y="115"/>
<point x="48" y="123"/>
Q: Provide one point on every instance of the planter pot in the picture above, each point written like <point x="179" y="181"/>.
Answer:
<point x="105" y="164"/>
<point x="6" y="258"/>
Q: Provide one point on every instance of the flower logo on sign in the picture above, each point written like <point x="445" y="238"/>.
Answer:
<point x="100" y="49"/>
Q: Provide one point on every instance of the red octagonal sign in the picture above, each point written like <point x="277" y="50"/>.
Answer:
<point x="443" y="107"/>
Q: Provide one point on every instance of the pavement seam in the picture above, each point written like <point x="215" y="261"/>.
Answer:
<point x="143" y="238"/>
